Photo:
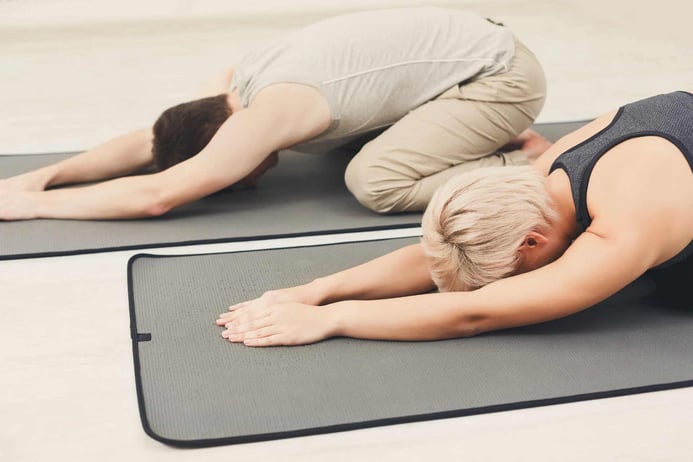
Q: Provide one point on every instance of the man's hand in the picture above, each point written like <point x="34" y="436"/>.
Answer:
<point x="17" y="204"/>
<point x="263" y="323"/>
<point x="32" y="181"/>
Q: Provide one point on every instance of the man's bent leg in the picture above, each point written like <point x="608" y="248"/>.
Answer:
<point x="460" y="130"/>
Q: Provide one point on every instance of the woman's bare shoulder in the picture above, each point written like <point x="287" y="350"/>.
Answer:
<point x="574" y="138"/>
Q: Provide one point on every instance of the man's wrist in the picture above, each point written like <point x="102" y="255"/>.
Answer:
<point x="41" y="179"/>
<point x="34" y="204"/>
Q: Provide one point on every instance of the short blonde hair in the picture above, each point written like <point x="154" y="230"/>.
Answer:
<point x="476" y="222"/>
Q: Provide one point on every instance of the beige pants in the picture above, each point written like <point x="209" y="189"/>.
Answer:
<point x="460" y="130"/>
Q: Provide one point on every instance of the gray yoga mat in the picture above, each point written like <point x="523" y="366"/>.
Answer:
<point x="196" y="389"/>
<point x="304" y="195"/>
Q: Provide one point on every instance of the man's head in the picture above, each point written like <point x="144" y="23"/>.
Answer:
<point x="250" y="180"/>
<point x="487" y="224"/>
<point x="184" y="130"/>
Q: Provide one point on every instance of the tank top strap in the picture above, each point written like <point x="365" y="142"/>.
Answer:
<point x="669" y="116"/>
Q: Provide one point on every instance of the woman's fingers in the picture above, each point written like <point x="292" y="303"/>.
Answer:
<point x="247" y="324"/>
<point x="234" y="312"/>
<point x="252" y="330"/>
<point x="269" y="340"/>
<point x="239" y="305"/>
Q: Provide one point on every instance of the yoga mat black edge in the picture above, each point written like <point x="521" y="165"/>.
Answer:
<point x="201" y="443"/>
<point x="221" y="240"/>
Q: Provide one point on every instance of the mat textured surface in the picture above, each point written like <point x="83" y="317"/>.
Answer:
<point x="304" y="195"/>
<point x="196" y="389"/>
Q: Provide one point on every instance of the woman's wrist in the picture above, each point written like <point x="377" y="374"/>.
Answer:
<point x="319" y="291"/>
<point x="337" y="317"/>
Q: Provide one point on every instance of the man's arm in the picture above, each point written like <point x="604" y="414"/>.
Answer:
<point x="592" y="269"/>
<point x="278" y="118"/>
<point x="122" y="155"/>
<point x="218" y="84"/>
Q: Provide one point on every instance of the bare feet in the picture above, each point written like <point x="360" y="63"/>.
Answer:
<point x="531" y="143"/>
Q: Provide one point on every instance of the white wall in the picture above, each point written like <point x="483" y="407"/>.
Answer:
<point x="74" y="72"/>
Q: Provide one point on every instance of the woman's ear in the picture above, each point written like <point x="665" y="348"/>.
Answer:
<point x="534" y="239"/>
<point x="530" y="251"/>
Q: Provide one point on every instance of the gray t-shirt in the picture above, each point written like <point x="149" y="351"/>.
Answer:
<point x="374" y="67"/>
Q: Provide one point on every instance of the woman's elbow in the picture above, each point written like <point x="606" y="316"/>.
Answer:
<point x="470" y="324"/>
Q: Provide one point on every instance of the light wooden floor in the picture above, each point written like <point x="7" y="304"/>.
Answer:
<point x="73" y="72"/>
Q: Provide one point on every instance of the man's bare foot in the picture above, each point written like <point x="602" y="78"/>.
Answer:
<point x="531" y="143"/>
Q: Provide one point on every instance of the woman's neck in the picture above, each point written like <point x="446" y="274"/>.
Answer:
<point x="558" y="188"/>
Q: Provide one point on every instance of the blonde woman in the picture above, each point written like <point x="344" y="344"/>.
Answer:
<point x="513" y="246"/>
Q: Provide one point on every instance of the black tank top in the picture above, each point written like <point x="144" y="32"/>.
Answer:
<point x="669" y="116"/>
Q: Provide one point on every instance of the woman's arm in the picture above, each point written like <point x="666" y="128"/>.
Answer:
<point x="592" y="269"/>
<point x="402" y="272"/>
<point x="382" y="277"/>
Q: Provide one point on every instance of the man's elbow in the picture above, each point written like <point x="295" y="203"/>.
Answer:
<point x="157" y="209"/>
<point x="157" y="203"/>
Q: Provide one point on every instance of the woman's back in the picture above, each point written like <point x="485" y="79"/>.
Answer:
<point x="623" y="172"/>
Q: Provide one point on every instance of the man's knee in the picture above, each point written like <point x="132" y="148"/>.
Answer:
<point x="359" y="180"/>
<point x="375" y="186"/>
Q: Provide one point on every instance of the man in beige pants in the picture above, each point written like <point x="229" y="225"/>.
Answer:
<point x="462" y="129"/>
<point x="453" y="88"/>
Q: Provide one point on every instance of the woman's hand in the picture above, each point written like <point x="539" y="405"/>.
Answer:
<point x="292" y="316"/>
<point x="307" y="294"/>
<point x="263" y="322"/>
<point x="279" y="317"/>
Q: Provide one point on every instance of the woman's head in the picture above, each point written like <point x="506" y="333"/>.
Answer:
<point x="476" y="224"/>
<point x="184" y="130"/>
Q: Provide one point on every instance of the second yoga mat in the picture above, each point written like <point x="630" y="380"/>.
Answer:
<point x="196" y="389"/>
<point x="304" y="194"/>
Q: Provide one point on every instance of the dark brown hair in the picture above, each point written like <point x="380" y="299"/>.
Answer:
<point x="184" y="130"/>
